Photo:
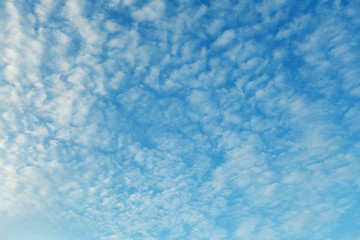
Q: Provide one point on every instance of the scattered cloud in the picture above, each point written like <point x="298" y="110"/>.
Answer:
<point x="179" y="120"/>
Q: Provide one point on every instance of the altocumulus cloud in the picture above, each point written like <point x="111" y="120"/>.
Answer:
<point x="129" y="119"/>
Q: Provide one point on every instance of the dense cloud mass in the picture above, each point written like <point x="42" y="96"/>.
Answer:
<point x="213" y="119"/>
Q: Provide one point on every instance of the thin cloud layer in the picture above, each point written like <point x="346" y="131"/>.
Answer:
<point x="129" y="119"/>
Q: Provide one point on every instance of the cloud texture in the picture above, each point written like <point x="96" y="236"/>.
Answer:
<point x="128" y="119"/>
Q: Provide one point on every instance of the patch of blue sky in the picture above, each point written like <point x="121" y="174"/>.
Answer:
<point x="128" y="119"/>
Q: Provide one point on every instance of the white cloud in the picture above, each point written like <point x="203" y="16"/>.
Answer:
<point x="225" y="38"/>
<point x="178" y="120"/>
<point x="44" y="9"/>
<point x="247" y="228"/>
<point x="150" y="12"/>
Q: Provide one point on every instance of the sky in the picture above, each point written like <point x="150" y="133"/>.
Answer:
<point x="183" y="119"/>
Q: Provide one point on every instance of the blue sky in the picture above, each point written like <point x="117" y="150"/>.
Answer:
<point x="129" y="119"/>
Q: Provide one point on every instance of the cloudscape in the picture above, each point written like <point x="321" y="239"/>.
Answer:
<point x="183" y="119"/>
